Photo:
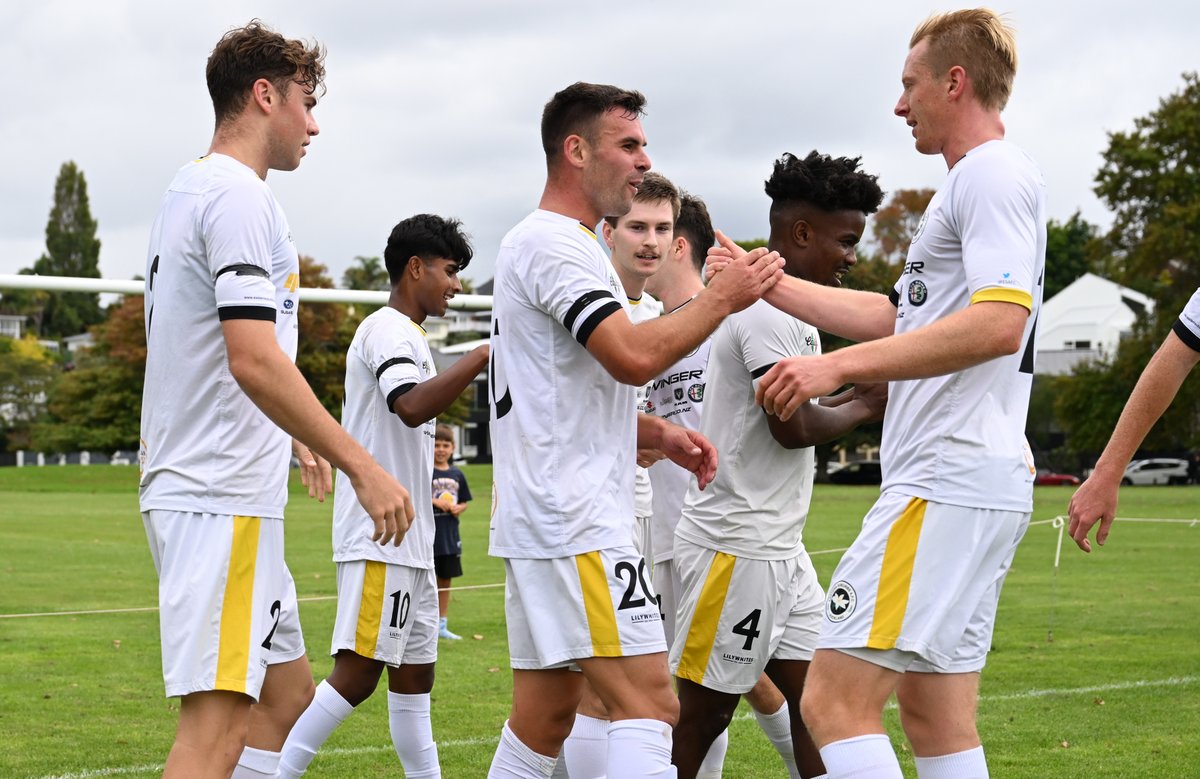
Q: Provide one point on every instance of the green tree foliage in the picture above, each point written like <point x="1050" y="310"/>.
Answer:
<point x="27" y="375"/>
<point x="1069" y="246"/>
<point x="72" y="249"/>
<point x="98" y="405"/>
<point x="326" y="330"/>
<point x="895" y="224"/>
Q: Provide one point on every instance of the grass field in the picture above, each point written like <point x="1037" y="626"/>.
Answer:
<point x="1095" y="670"/>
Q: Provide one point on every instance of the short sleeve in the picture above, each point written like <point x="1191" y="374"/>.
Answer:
<point x="574" y="285"/>
<point x="391" y="353"/>
<point x="763" y="336"/>
<point x="464" y="491"/>
<point x="1187" y="327"/>
<point x="997" y="215"/>
<point x="239" y="230"/>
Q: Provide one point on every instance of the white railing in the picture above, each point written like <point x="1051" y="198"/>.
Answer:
<point x="308" y="294"/>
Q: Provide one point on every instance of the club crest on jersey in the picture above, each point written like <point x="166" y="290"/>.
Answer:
<point x="920" y="228"/>
<point x="840" y="603"/>
<point x="696" y="393"/>
<point x="918" y="293"/>
<point x="289" y="304"/>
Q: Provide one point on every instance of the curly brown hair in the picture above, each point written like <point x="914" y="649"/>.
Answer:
<point x="246" y="54"/>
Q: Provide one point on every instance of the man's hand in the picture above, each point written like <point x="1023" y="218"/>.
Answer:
<point x="874" y="395"/>
<point x="688" y="449"/>
<point x="796" y="380"/>
<point x="719" y="256"/>
<point x="648" y="457"/>
<point x="386" y="501"/>
<point x="746" y="276"/>
<point x="1094" y="501"/>
<point x="315" y="472"/>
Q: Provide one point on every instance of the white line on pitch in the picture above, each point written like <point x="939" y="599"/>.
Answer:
<point x="1171" y="681"/>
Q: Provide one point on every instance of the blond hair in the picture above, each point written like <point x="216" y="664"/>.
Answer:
<point x="980" y="42"/>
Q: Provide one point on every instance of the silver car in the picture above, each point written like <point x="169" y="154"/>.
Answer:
<point x="1158" y="470"/>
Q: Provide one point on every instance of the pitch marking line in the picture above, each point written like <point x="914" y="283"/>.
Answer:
<point x="1171" y="681"/>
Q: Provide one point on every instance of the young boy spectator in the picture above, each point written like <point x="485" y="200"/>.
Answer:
<point x="450" y="497"/>
<point x="387" y="596"/>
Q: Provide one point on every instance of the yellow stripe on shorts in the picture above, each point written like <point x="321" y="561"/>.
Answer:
<point x="370" y="608"/>
<point x="233" y="647"/>
<point x="895" y="577"/>
<point x="597" y="604"/>
<point x="702" y="632"/>
<point x="1003" y="295"/>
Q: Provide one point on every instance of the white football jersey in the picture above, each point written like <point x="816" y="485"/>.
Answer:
<point x="220" y="249"/>
<point x="563" y="430"/>
<point x="678" y="397"/>
<point x="388" y="356"/>
<point x="643" y="309"/>
<point x="758" y="502"/>
<point x="960" y="438"/>
<point x="1187" y="327"/>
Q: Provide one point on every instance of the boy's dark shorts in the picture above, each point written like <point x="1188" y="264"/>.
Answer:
<point x="448" y="566"/>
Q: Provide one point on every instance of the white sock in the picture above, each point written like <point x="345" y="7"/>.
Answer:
<point x="640" y="748"/>
<point x="585" y="751"/>
<point x="255" y="763"/>
<point x="714" y="760"/>
<point x="778" y="727"/>
<point x="514" y="760"/>
<point x="327" y="710"/>
<point x="861" y="757"/>
<point x="960" y="765"/>
<point x="412" y="735"/>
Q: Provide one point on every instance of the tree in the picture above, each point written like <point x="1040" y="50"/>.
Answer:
<point x="894" y="225"/>
<point x="72" y="249"/>
<point x="366" y="273"/>
<point x="1068" y="248"/>
<point x="326" y="330"/>
<point x="98" y="406"/>
<point x="27" y="374"/>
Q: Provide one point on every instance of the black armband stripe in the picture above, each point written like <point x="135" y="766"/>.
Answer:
<point x="1187" y="336"/>
<point x="225" y="313"/>
<point x="593" y="321"/>
<point x="391" y="398"/>
<point x="894" y="297"/>
<point x="758" y="372"/>
<point x="394" y="361"/>
<point x="243" y="269"/>
<point x="582" y="303"/>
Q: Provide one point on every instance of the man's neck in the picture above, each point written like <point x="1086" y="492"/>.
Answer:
<point x="680" y="291"/>
<point x="976" y="130"/>
<point x="407" y="305"/>
<point x="242" y="146"/>
<point x="565" y="197"/>
<point x="634" y="285"/>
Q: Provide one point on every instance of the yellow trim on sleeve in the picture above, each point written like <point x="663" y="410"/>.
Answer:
<point x="895" y="577"/>
<point x="702" y="632"/>
<point x="370" y="609"/>
<point x="233" y="643"/>
<point x="597" y="604"/>
<point x="1003" y="295"/>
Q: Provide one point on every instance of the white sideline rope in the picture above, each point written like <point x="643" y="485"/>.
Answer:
<point x="1057" y="522"/>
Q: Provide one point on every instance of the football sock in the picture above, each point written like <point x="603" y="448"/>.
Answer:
<point x="778" y="727"/>
<point x="514" y="760"/>
<point x="412" y="735"/>
<point x="714" y="760"/>
<point x="960" y="765"/>
<point x="586" y="750"/>
<point x="327" y="710"/>
<point x="640" y="748"/>
<point x="861" y="757"/>
<point x="256" y="764"/>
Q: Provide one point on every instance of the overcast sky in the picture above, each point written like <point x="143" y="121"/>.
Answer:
<point x="435" y="106"/>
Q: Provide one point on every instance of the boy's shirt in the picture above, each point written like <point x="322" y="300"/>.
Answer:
<point x="449" y="484"/>
<point x="388" y="355"/>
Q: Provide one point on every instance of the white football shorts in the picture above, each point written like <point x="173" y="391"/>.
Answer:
<point x="386" y="612"/>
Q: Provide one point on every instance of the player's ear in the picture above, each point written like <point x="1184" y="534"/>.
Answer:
<point x="606" y="231"/>
<point x="264" y="95"/>
<point x="415" y="266"/>
<point x="679" y="247"/>
<point x="575" y="150"/>
<point x="802" y="233"/>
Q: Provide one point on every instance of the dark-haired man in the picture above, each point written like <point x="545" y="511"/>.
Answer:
<point x="912" y="605"/>
<point x="565" y="359"/>
<point x="749" y="598"/>
<point x="221" y="398"/>
<point x="387" y="614"/>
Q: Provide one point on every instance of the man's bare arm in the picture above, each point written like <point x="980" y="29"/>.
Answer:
<point x="429" y="398"/>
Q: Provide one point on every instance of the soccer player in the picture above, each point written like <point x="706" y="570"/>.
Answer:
<point x="565" y="359"/>
<point x="1096" y="499"/>
<point x="637" y="242"/>
<point x="749" y="599"/>
<point x="912" y="604"/>
<point x="221" y="400"/>
<point x="678" y="395"/>
<point x="387" y="613"/>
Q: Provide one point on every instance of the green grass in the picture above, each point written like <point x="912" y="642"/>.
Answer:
<point x="1095" y="670"/>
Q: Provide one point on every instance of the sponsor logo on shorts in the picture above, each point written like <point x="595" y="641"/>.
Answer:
<point x="642" y="616"/>
<point x="696" y="393"/>
<point x="840" y="603"/>
<point x="918" y="293"/>
<point x="738" y="659"/>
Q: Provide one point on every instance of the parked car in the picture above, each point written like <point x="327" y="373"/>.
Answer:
<point x="1050" y="478"/>
<point x="1157" y="470"/>
<point x="859" y="472"/>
